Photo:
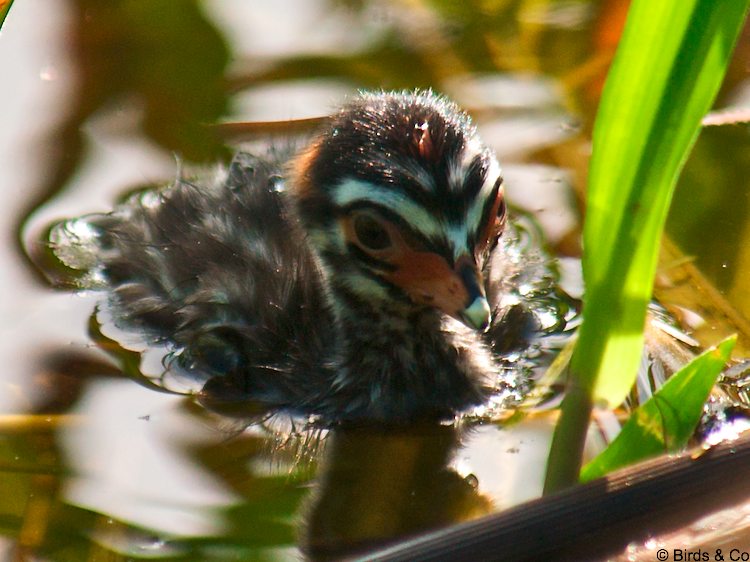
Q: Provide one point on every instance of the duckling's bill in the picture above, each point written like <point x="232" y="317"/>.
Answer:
<point x="478" y="314"/>
<point x="458" y="291"/>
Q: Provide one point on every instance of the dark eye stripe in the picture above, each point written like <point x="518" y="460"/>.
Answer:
<point x="371" y="260"/>
<point x="474" y="178"/>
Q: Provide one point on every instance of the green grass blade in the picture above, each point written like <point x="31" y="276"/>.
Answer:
<point x="666" y="422"/>
<point x="669" y="67"/>
<point x="665" y="76"/>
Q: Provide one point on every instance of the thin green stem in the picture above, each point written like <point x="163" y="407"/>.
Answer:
<point x="566" y="452"/>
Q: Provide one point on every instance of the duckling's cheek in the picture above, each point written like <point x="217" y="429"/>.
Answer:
<point x="428" y="279"/>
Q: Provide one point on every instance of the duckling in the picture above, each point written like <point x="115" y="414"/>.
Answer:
<point x="359" y="280"/>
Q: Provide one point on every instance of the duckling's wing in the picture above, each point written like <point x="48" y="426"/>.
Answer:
<point x="221" y="275"/>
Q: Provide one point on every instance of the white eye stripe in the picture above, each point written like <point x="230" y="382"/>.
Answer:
<point x="352" y="190"/>
<point x="458" y="236"/>
<point x="460" y="166"/>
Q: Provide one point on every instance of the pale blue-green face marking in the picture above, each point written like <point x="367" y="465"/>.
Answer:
<point x="364" y="286"/>
<point x="354" y="191"/>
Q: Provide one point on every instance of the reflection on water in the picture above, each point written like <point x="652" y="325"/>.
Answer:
<point x="106" y="93"/>
<point x="378" y="485"/>
<point x="147" y="475"/>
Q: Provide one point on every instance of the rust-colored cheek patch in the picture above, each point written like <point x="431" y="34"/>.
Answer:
<point x="428" y="279"/>
<point x="301" y="183"/>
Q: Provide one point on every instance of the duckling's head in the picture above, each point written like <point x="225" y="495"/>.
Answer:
<point x="402" y="202"/>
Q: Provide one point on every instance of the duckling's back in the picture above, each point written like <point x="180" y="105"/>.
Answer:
<point x="221" y="275"/>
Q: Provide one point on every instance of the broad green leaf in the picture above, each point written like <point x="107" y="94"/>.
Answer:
<point x="668" y="68"/>
<point x="667" y="420"/>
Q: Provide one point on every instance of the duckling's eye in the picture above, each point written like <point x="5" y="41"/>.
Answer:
<point x="370" y="233"/>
